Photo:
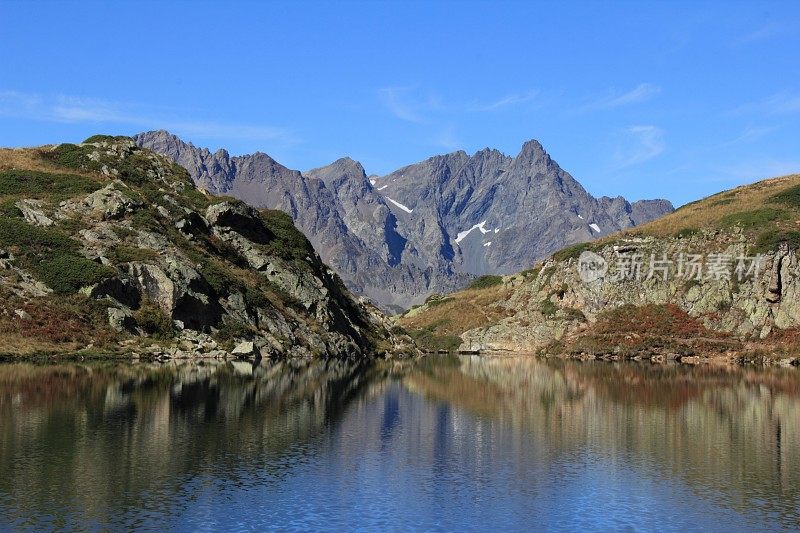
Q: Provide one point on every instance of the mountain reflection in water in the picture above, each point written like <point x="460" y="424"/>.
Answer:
<point x="447" y="443"/>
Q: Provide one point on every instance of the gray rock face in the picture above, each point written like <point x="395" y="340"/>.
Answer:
<point x="427" y="227"/>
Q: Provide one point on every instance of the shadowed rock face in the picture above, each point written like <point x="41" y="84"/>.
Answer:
<point x="427" y="227"/>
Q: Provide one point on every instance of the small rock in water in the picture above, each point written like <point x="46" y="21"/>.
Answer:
<point x="245" y="349"/>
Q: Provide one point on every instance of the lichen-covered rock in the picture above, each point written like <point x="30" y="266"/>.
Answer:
<point x="746" y="309"/>
<point x="32" y="211"/>
<point x="109" y="203"/>
<point x="121" y="320"/>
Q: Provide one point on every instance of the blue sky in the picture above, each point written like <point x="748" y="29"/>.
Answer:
<point x="665" y="99"/>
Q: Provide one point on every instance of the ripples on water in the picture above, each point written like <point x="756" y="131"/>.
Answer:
<point x="465" y="443"/>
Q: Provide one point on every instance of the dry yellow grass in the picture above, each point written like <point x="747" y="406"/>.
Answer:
<point x="31" y="159"/>
<point x="709" y="212"/>
<point x="461" y="311"/>
<point x="19" y="345"/>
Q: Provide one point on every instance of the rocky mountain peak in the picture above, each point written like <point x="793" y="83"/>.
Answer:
<point x="426" y="227"/>
<point x="532" y="151"/>
<point x="342" y="168"/>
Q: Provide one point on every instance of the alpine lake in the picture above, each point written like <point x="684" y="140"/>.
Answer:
<point x="443" y="443"/>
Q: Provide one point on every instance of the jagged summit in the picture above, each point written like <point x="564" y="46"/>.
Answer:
<point x="532" y="151"/>
<point x="344" y="167"/>
<point x="394" y="238"/>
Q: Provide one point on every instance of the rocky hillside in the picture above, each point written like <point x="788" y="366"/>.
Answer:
<point x="719" y="277"/>
<point x="426" y="228"/>
<point x="109" y="248"/>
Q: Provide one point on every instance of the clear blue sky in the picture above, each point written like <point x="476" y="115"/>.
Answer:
<point x="666" y="99"/>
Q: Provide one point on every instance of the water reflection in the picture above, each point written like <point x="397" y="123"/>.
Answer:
<point x="444" y="443"/>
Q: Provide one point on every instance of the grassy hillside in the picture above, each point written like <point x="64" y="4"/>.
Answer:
<point x="767" y="211"/>
<point x="760" y="215"/>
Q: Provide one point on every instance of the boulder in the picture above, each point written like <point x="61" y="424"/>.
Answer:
<point x="108" y="203"/>
<point x="33" y="214"/>
<point x="121" y="320"/>
<point x="153" y="282"/>
<point x="240" y="218"/>
<point x="192" y="224"/>
<point x="246" y="349"/>
<point x="180" y="291"/>
<point x="121" y="289"/>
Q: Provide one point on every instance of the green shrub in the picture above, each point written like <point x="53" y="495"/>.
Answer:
<point x="768" y="241"/>
<point x="532" y="272"/>
<point x="66" y="273"/>
<point x="105" y="138"/>
<point x="429" y="341"/>
<point x="548" y="308"/>
<point x="51" y="256"/>
<point x="9" y="210"/>
<point x="255" y="297"/>
<point x="33" y="239"/>
<point x="574" y="314"/>
<point x="288" y="242"/>
<point x="484" y="282"/>
<point x="127" y="254"/>
<point x="153" y="320"/>
<point x="572" y="252"/>
<point x="754" y="219"/>
<point x="35" y="184"/>
<point x="231" y="329"/>
<point x="71" y="156"/>
<point x="132" y="168"/>
<point x="440" y="301"/>
<point x="686" y="232"/>
<point x="790" y="196"/>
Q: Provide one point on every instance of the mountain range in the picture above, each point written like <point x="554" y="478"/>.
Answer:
<point x="425" y="228"/>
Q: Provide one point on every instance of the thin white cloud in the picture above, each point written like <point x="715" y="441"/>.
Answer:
<point x="777" y="104"/>
<point x="640" y="93"/>
<point x="641" y="144"/>
<point x="396" y="101"/>
<point x="447" y="139"/>
<point x="762" y="168"/>
<point x="72" y="109"/>
<point x="507" y="101"/>
<point x="766" y="32"/>
<point x="751" y="134"/>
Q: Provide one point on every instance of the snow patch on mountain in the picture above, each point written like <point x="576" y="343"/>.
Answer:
<point x="401" y="206"/>
<point x="462" y="234"/>
<point x="595" y="227"/>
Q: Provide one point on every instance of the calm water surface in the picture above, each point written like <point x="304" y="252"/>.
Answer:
<point x="465" y="443"/>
